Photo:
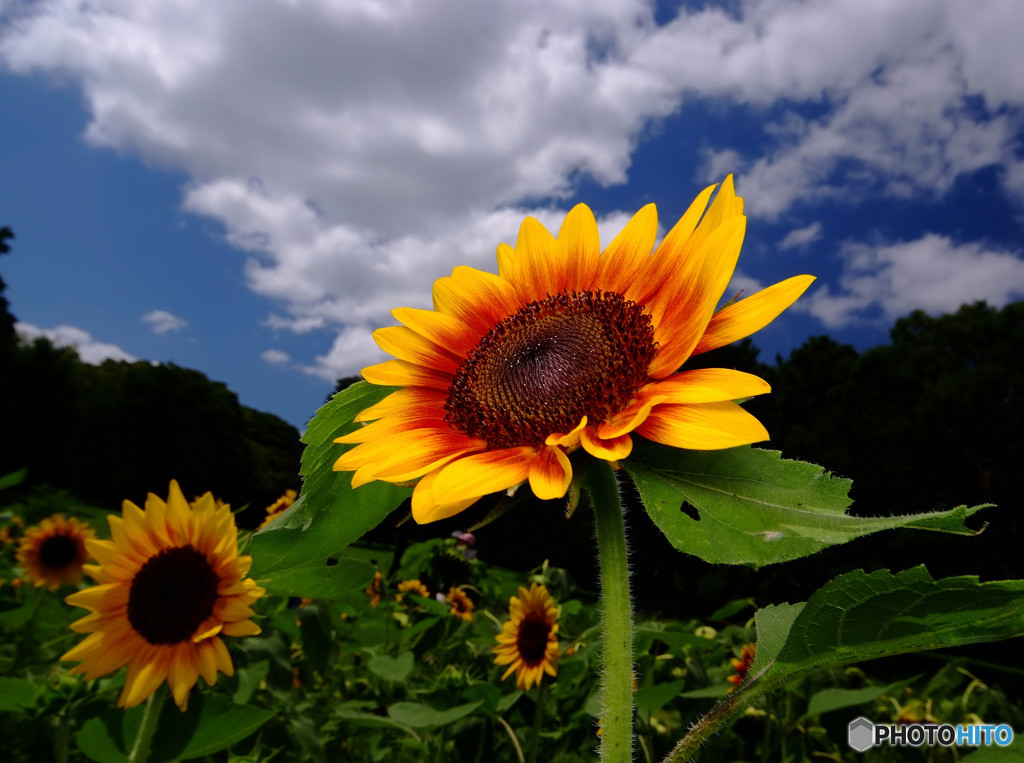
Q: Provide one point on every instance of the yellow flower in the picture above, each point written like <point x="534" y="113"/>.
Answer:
<point x="411" y="586"/>
<point x="566" y="347"/>
<point x="375" y="590"/>
<point x="54" y="551"/>
<point x="278" y="507"/>
<point x="528" y="642"/>
<point x="742" y="665"/>
<point x="461" y="605"/>
<point x="171" y="583"/>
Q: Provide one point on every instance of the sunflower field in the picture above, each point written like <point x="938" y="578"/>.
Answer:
<point x="559" y="396"/>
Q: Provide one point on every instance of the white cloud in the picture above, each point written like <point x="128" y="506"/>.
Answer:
<point x="275" y="357"/>
<point x="931" y="273"/>
<point x="356" y="151"/>
<point x="162" y="321"/>
<point x="88" y="349"/>
<point x="801" y="237"/>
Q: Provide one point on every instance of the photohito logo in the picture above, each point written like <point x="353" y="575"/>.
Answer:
<point x="862" y="734"/>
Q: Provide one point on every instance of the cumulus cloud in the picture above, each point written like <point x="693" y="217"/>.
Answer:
<point x="801" y="237"/>
<point x="357" y="151"/>
<point x="931" y="273"/>
<point x="275" y="357"/>
<point x="162" y="321"/>
<point x="88" y="349"/>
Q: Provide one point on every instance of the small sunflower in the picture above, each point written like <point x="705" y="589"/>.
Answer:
<point x="742" y="665"/>
<point x="528" y="642"/>
<point x="461" y="605"/>
<point x="375" y="590"/>
<point x="411" y="586"/>
<point x="566" y="347"/>
<point x="171" y="583"/>
<point x="53" y="552"/>
<point x="278" y="507"/>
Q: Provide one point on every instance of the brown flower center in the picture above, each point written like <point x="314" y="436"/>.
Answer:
<point x="58" y="552"/>
<point x="539" y="371"/>
<point x="532" y="639"/>
<point x="171" y="595"/>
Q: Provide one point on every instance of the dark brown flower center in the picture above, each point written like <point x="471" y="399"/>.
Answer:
<point x="532" y="640"/>
<point x="538" y="372"/>
<point x="58" y="552"/>
<point x="171" y="595"/>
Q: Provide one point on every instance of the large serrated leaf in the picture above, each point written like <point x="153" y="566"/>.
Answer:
<point x="861" y="616"/>
<point x="756" y="508"/>
<point x="329" y="514"/>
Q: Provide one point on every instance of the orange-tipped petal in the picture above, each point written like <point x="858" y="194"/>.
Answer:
<point x="710" y="426"/>
<point x="752" y="314"/>
<point x="550" y="473"/>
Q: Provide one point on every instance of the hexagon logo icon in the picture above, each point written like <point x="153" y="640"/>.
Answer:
<point x="860" y="734"/>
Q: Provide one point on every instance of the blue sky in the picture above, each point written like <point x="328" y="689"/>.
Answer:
<point x="248" y="189"/>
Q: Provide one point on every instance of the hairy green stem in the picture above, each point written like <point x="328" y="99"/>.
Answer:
<point x="617" y="616"/>
<point x="538" y="720"/>
<point x="147" y="728"/>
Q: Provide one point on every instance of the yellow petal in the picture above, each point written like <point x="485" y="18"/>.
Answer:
<point x="708" y="385"/>
<point x="752" y="314"/>
<point x="399" y="373"/>
<point x="476" y="298"/>
<point x="550" y="473"/>
<point x="426" y="509"/>
<point x="610" y="449"/>
<point x="628" y="253"/>
<point x="539" y="267"/>
<point x="709" y="426"/>
<point x="693" y="296"/>
<point x="405" y="344"/>
<point x="241" y="628"/>
<point x="665" y="260"/>
<point x="440" y="329"/>
<point x="581" y="246"/>
<point x="483" y="473"/>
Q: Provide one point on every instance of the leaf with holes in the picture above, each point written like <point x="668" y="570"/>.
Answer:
<point x="753" y="507"/>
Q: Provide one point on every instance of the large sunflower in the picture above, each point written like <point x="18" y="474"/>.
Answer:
<point x="566" y="347"/>
<point x="53" y="552"/>
<point x="528" y="642"/>
<point x="171" y="583"/>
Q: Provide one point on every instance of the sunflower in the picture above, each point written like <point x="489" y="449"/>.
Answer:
<point x="171" y="583"/>
<point x="411" y="586"/>
<point x="54" y="551"/>
<point x="461" y="605"/>
<point x="528" y="642"/>
<point x="277" y="507"/>
<point x="566" y="347"/>
<point x="375" y="590"/>
<point x="742" y="665"/>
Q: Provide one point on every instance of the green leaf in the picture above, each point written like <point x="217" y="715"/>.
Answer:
<point x="650" y="699"/>
<point x="211" y="723"/>
<point x="861" y="616"/>
<point x="16" y="694"/>
<point x="418" y="715"/>
<point x="320" y="580"/>
<point x="329" y="514"/>
<point x="391" y="668"/>
<point x="363" y="718"/>
<point x="828" y="700"/>
<point x="756" y="508"/>
<point x="12" y="479"/>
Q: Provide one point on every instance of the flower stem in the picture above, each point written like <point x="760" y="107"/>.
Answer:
<point x="538" y="720"/>
<point x="147" y="728"/>
<point x="617" y="614"/>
